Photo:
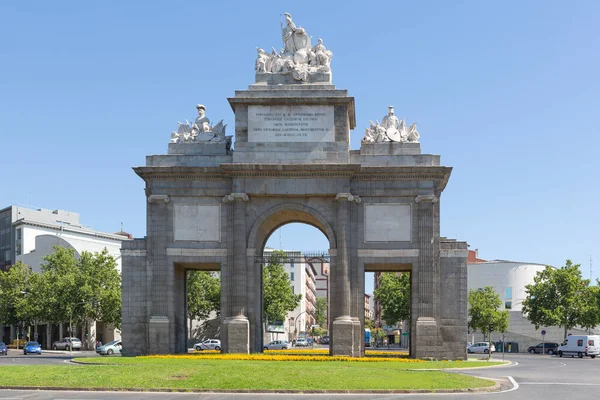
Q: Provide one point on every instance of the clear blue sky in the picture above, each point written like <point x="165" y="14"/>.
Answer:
<point x="507" y="92"/>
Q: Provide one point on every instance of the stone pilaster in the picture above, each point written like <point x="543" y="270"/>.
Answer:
<point x="236" y="326"/>
<point x="344" y="326"/>
<point x="425" y="341"/>
<point x="159" y="332"/>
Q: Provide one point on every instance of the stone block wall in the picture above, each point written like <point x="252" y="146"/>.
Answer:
<point x="453" y="301"/>
<point x="134" y="297"/>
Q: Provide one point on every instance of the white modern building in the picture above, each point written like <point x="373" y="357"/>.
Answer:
<point x="509" y="278"/>
<point x="28" y="235"/>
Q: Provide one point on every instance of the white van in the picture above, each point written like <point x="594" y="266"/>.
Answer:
<point x="580" y="345"/>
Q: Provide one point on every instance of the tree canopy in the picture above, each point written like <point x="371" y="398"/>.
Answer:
<point x="559" y="296"/>
<point x="278" y="296"/>
<point x="81" y="289"/>
<point x="321" y="312"/>
<point x="20" y="301"/>
<point x="393" y="294"/>
<point x="484" y="309"/>
<point x="203" y="294"/>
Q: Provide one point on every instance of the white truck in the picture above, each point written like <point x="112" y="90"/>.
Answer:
<point x="580" y="345"/>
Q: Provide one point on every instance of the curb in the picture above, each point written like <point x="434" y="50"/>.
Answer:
<point x="496" y="388"/>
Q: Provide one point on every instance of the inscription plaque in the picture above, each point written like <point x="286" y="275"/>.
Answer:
<point x="290" y="124"/>
<point x="197" y="222"/>
<point x="387" y="223"/>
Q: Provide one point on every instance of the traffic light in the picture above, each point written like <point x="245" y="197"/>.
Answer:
<point x="491" y="327"/>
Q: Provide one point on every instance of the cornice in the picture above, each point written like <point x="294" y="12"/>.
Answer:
<point x="354" y="172"/>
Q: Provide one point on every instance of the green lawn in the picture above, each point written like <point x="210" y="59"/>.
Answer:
<point x="140" y="373"/>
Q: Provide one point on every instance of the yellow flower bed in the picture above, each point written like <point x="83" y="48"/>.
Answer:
<point x="278" y="357"/>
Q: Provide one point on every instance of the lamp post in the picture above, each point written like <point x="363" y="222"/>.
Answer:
<point x="20" y="292"/>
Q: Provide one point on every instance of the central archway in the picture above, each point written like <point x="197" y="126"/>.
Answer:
<point x="271" y="220"/>
<point x="284" y="214"/>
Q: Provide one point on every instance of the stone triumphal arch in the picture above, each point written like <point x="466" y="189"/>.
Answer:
<point x="213" y="207"/>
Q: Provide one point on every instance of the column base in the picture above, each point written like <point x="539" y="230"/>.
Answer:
<point x="427" y="340"/>
<point x="158" y="335"/>
<point x="342" y="337"/>
<point x="236" y="335"/>
<point x="359" y="339"/>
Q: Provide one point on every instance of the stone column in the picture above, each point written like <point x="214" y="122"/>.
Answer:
<point x="236" y="326"/>
<point x="159" y="338"/>
<point x="344" y="326"/>
<point x="48" y="336"/>
<point x="425" y="341"/>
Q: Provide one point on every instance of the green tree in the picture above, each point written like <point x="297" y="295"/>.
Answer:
<point x="58" y="285"/>
<point x="20" y="301"/>
<point x="278" y="296"/>
<point x="393" y="294"/>
<point x="79" y="291"/>
<point x="203" y="295"/>
<point x="321" y="312"/>
<point x="590" y="314"/>
<point x="558" y="296"/>
<point x="484" y="309"/>
<point x="370" y="324"/>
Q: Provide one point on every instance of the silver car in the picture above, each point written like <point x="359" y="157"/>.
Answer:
<point x="278" y="345"/>
<point x="65" y="344"/>
<point x="481" y="347"/>
<point x="208" y="344"/>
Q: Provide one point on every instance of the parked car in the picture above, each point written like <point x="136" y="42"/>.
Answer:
<point x="325" y="340"/>
<point x="65" y="344"/>
<point x="580" y="345"/>
<point x="278" y="345"/>
<point x="32" y="347"/>
<point x="208" y="344"/>
<point x="301" y="342"/>
<point x="546" y="348"/>
<point x="3" y="348"/>
<point x="481" y="347"/>
<point x="109" y="348"/>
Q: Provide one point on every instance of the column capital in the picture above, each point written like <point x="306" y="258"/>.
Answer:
<point x="426" y="197"/>
<point x="348" y="197"/>
<point x="157" y="198"/>
<point x="230" y="198"/>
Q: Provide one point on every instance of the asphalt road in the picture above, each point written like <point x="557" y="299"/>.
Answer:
<point x="48" y="357"/>
<point x="536" y="377"/>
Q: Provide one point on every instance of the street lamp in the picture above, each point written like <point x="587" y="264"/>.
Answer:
<point x="20" y="292"/>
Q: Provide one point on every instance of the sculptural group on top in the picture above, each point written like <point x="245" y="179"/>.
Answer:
<point x="391" y="129"/>
<point x="298" y="57"/>
<point x="200" y="131"/>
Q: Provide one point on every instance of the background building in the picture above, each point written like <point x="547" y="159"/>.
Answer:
<point x="368" y="307"/>
<point x="302" y="277"/>
<point x="28" y="235"/>
<point x="321" y="265"/>
<point x="509" y="278"/>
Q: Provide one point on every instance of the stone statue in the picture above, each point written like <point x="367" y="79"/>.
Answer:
<point x="261" y="60"/>
<point x="322" y="56"/>
<point x="391" y="129"/>
<point x="297" y="58"/>
<point x="202" y="123"/>
<point x="375" y="133"/>
<point x="391" y="124"/>
<point x="200" y="131"/>
<point x="413" y="134"/>
<point x="295" y="39"/>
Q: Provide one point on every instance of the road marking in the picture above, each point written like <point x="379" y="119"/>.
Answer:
<point x="514" y="383"/>
<point x="560" y="383"/>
